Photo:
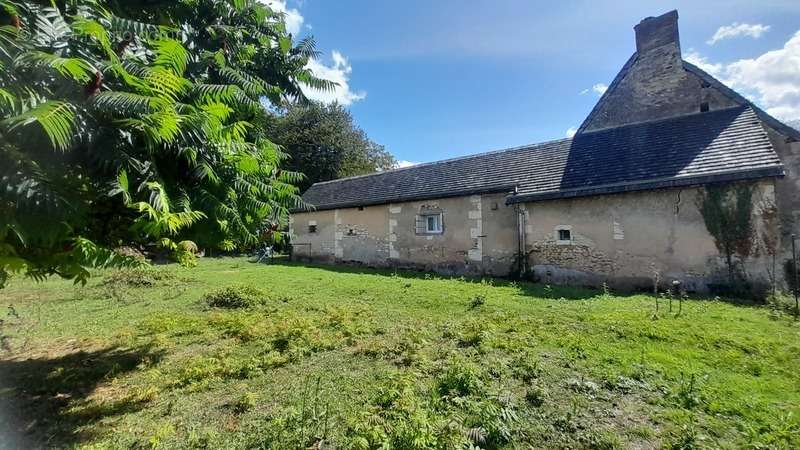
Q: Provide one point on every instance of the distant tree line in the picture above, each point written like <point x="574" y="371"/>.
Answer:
<point x="324" y="143"/>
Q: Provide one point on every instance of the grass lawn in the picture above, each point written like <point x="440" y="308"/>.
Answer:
<point x="324" y="357"/>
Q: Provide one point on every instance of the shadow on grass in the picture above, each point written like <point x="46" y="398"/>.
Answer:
<point x="526" y="288"/>
<point x="530" y="289"/>
<point x="39" y="397"/>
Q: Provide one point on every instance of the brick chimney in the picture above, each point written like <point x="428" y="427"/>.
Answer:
<point x="654" y="84"/>
<point x="655" y="32"/>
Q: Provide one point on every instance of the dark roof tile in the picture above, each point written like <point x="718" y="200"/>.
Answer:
<point x="722" y="145"/>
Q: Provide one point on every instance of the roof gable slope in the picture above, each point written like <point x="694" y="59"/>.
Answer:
<point x="777" y="125"/>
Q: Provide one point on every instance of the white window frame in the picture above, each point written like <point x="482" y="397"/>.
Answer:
<point x="439" y="221"/>
<point x="557" y="235"/>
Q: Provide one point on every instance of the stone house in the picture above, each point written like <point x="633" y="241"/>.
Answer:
<point x="619" y="202"/>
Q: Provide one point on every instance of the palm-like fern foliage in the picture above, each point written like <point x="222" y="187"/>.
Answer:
<point x="115" y="131"/>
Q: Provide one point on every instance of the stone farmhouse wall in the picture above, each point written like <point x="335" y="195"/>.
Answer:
<point x="628" y="239"/>
<point x="787" y="191"/>
<point x="623" y="240"/>
<point x="478" y="235"/>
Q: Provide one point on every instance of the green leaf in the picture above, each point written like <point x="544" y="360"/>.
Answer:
<point x="9" y="7"/>
<point x="95" y="31"/>
<point x="285" y="44"/>
<point x="171" y="54"/>
<point x="121" y="187"/>
<point x="57" y="119"/>
<point x="127" y="103"/>
<point x="74" y="68"/>
<point x="7" y="98"/>
<point x="247" y="163"/>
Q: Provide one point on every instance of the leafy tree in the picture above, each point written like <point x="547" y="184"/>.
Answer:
<point x="727" y="211"/>
<point x="115" y="130"/>
<point x="325" y="143"/>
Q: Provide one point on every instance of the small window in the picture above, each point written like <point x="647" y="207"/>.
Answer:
<point x="430" y="223"/>
<point x="433" y="223"/>
<point x="312" y="228"/>
<point x="563" y="234"/>
<point x="704" y="107"/>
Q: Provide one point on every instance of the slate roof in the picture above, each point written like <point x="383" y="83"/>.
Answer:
<point x="786" y="130"/>
<point x="716" y="146"/>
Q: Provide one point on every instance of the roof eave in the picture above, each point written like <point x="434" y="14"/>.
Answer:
<point x="410" y="198"/>
<point x="647" y="185"/>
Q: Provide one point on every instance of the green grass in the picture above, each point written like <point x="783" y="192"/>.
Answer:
<point x="299" y="357"/>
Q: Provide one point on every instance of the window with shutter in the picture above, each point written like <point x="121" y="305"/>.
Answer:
<point x="419" y="226"/>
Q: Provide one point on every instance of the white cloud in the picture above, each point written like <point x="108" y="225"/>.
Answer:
<point x="338" y="72"/>
<point x="600" y="88"/>
<point x="772" y="79"/>
<point x="404" y="163"/>
<point x="571" y="132"/>
<point x="294" y="20"/>
<point x="738" y="29"/>
<point x="702" y="62"/>
<point x="584" y="92"/>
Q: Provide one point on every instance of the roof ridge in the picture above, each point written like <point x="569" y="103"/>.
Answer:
<point x="441" y="161"/>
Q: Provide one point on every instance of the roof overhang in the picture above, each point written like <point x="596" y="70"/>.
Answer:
<point x="646" y="185"/>
<point x="409" y="198"/>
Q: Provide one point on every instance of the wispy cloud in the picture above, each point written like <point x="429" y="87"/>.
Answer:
<point x="571" y="132"/>
<point x="738" y="29"/>
<point x="338" y="71"/>
<point x="598" y="88"/>
<point x="772" y="79"/>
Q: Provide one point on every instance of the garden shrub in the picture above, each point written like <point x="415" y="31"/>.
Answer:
<point x="535" y="395"/>
<point x="474" y="332"/>
<point x="235" y="296"/>
<point x="137" y="277"/>
<point x="245" y="402"/>
<point x="460" y="377"/>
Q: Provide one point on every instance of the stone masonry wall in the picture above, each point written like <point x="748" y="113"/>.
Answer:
<point x="626" y="239"/>
<point x="478" y="237"/>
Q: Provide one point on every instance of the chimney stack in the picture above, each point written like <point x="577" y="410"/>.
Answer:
<point x="655" y="32"/>
<point x="653" y="84"/>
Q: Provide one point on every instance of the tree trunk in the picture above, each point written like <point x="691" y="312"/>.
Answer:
<point x="729" y="261"/>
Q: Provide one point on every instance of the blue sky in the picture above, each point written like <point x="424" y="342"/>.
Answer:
<point x="437" y="79"/>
